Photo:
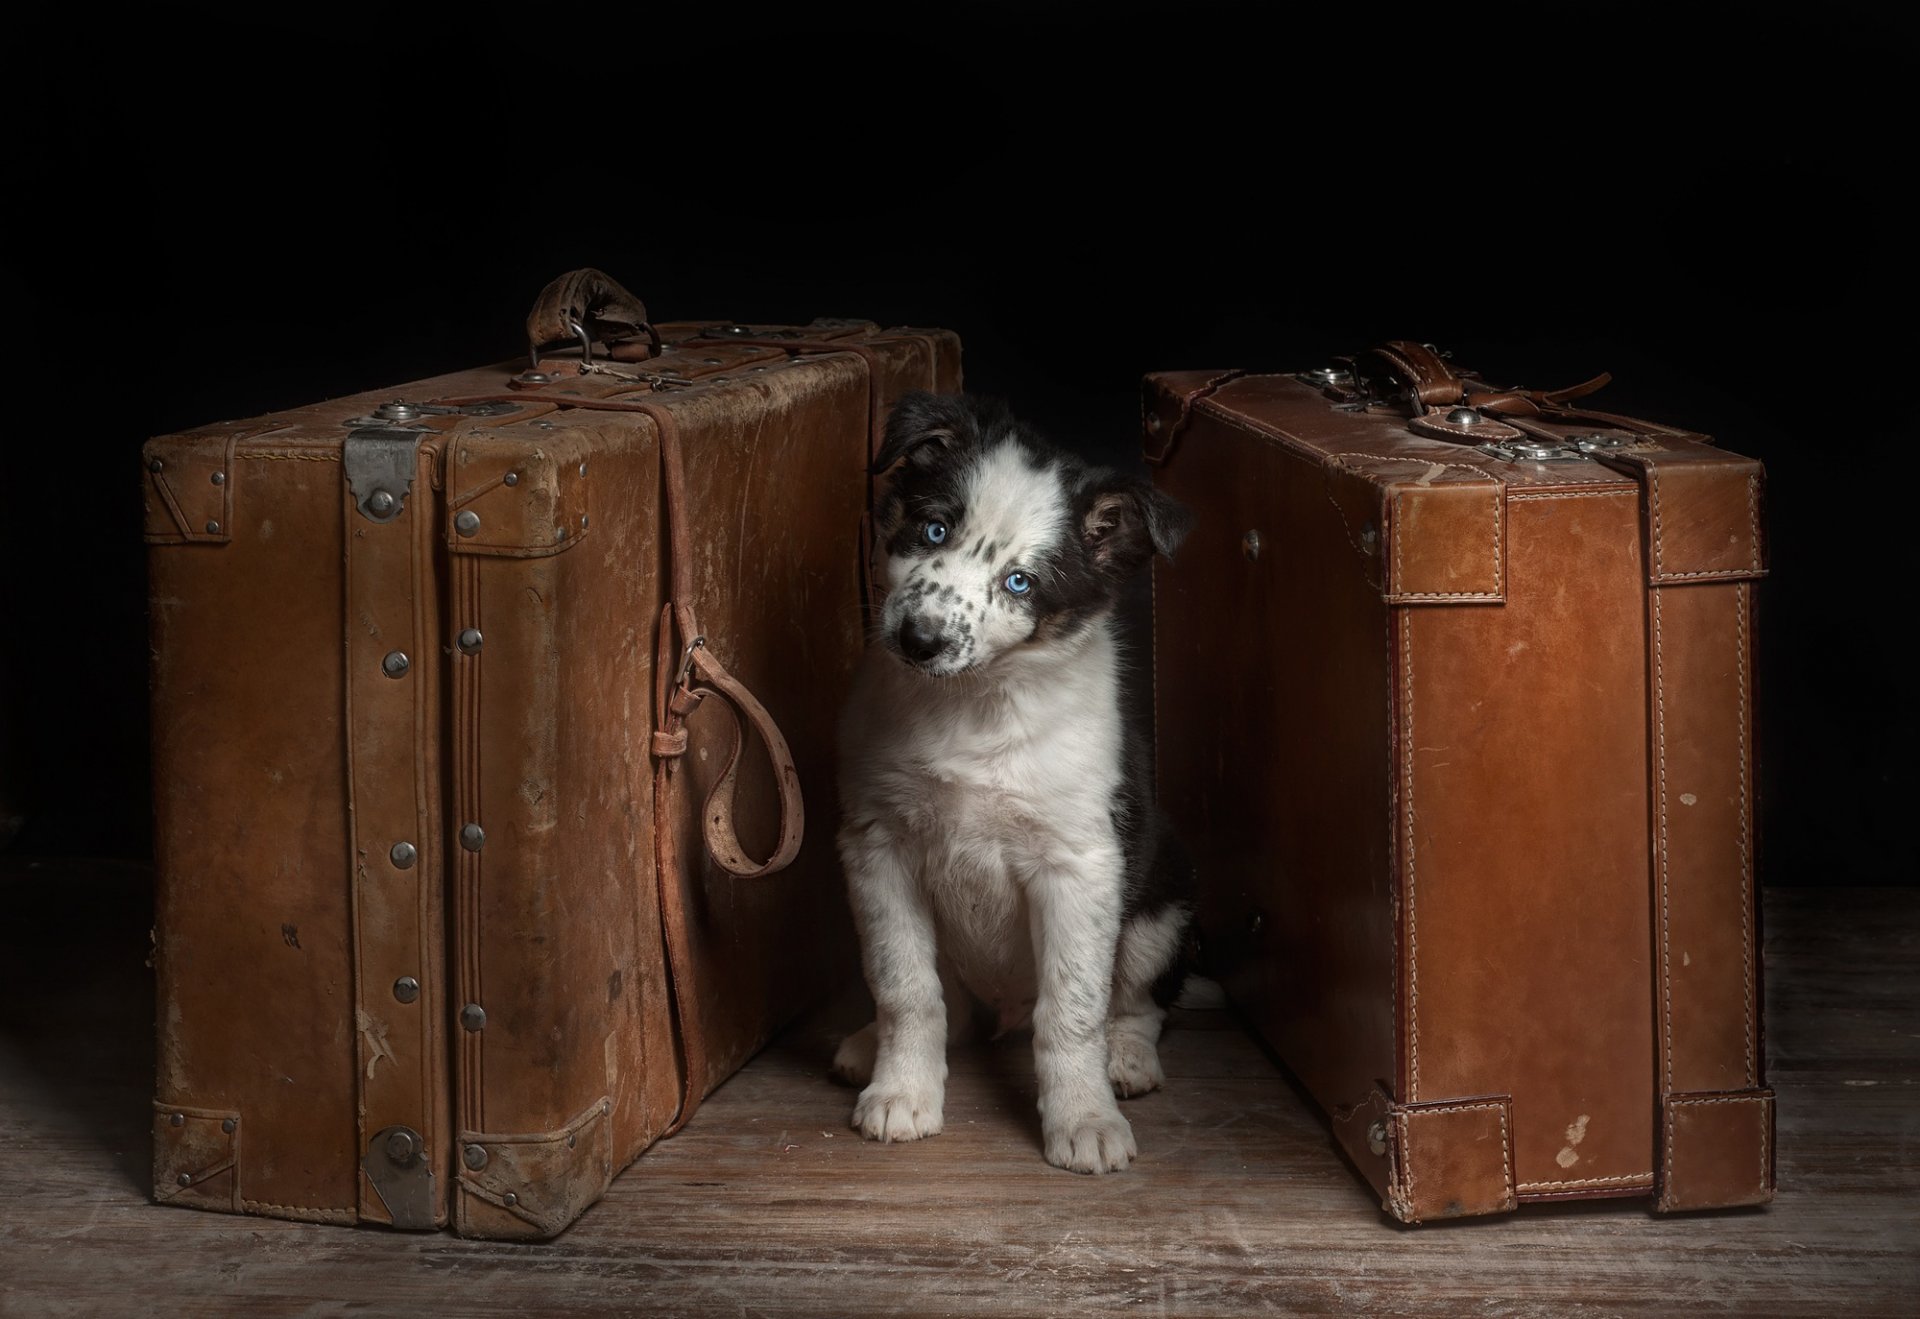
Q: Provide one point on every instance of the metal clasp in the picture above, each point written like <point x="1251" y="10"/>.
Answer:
<point x="686" y="658"/>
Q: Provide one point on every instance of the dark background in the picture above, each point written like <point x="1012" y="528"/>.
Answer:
<point x="220" y="214"/>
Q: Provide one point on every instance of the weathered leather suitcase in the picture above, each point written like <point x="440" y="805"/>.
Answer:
<point x="461" y="902"/>
<point x="1453" y="693"/>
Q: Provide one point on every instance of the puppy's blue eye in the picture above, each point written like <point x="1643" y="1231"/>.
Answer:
<point x="1019" y="583"/>
<point x="936" y="532"/>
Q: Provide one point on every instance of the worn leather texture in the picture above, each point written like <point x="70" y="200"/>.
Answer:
<point x="536" y="1046"/>
<point x="1463" y="746"/>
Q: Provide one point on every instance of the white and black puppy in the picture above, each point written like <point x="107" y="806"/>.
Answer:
<point x="999" y="834"/>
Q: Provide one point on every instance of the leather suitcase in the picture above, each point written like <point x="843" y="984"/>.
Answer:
<point x="461" y="899"/>
<point x="1453" y="693"/>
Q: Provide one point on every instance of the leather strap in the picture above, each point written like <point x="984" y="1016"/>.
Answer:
<point x="681" y="654"/>
<point x="592" y="304"/>
<point x="722" y="842"/>
<point x="1434" y="385"/>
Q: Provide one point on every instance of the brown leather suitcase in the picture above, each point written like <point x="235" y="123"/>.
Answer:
<point x="1453" y="693"/>
<point x="461" y="898"/>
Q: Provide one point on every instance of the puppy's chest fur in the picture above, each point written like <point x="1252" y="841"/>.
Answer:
<point x="990" y="792"/>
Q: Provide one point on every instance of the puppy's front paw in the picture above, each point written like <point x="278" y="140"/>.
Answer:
<point x="1096" y="1142"/>
<point x="1133" y="1065"/>
<point x="898" y="1113"/>
<point x="853" y="1060"/>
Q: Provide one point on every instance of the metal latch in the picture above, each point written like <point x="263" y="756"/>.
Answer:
<point x="1573" y="448"/>
<point x="397" y="1165"/>
<point x="379" y="455"/>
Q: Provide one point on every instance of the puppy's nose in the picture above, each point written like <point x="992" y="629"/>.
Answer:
<point x="920" y="642"/>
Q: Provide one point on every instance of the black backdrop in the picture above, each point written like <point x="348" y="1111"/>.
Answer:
<point x="220" y="214"/>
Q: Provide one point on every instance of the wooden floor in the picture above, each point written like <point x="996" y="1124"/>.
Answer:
<point x="767" y="1204"/>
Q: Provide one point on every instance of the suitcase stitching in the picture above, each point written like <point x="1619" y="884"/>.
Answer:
<point x="1406" y="807"/>
<point x="1499" y="564"/>
<point x="285" y="1211"/>
<point x="1660" y="729"/>
<point x="1741" y="596"/>
<point x="1586" y="1181"/>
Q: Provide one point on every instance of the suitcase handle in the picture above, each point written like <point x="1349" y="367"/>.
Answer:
<point x="1432" y="383"/>
<point x="588" y="306"/>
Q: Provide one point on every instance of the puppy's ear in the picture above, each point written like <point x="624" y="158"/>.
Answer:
<point x="921" y="428"/>
<point x="1125" y="522"/>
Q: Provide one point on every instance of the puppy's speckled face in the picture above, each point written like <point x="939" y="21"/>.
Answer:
<point x="993" y="543"/>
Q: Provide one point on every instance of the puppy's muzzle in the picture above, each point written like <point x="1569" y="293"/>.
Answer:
<point x="920" y="641"/>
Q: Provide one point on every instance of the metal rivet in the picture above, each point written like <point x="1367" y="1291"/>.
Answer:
<point x="406" y="989"/>
<point x="402" y="1148"/>
<point x="1369" y="538"/>
<point x="511" y="478"/>
<point x="467" y="523"/>
<point x="583" y="469"/>
<point x="230" y="1125"/>
<point x="559" y="533"/>
<point x="178" y="1119"/>
<point x="381" y="502"/>
<point x="472" y="837"/>
<point x="213" y="528"/>
<point x="1155" y="423"/>
<point x="396" y="664"/>
<point x="474" y="1157"/>
<point x="469" y="641"/>
<point x="535" y="378"/>
<point x="185" y="1179"/>
<point x="218" y="478"/>
<point x="396" y="411"/>
<point x="1377" y="1138"/>
<point x="473" y="1016"/>
<point x="573" y="1140"/>
<point x="606" y="1107"/>
<point x="1464" y="417"/>
<point x="712" y="361"/>
<point x="156" y="465"/>
<point x="583" y="522"/>
<point x="403" y="855"/>
<point x="1250" y="545"/>
<point x="510" y="1198"/>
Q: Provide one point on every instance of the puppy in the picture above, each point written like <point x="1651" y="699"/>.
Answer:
<point x="999" y="834"/>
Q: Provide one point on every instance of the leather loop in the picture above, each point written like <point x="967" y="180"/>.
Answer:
<point x="595" y="303"/>
<point x="668" y="745"/>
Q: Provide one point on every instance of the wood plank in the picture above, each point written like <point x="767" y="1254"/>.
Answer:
<point x="768" y="1204"/>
